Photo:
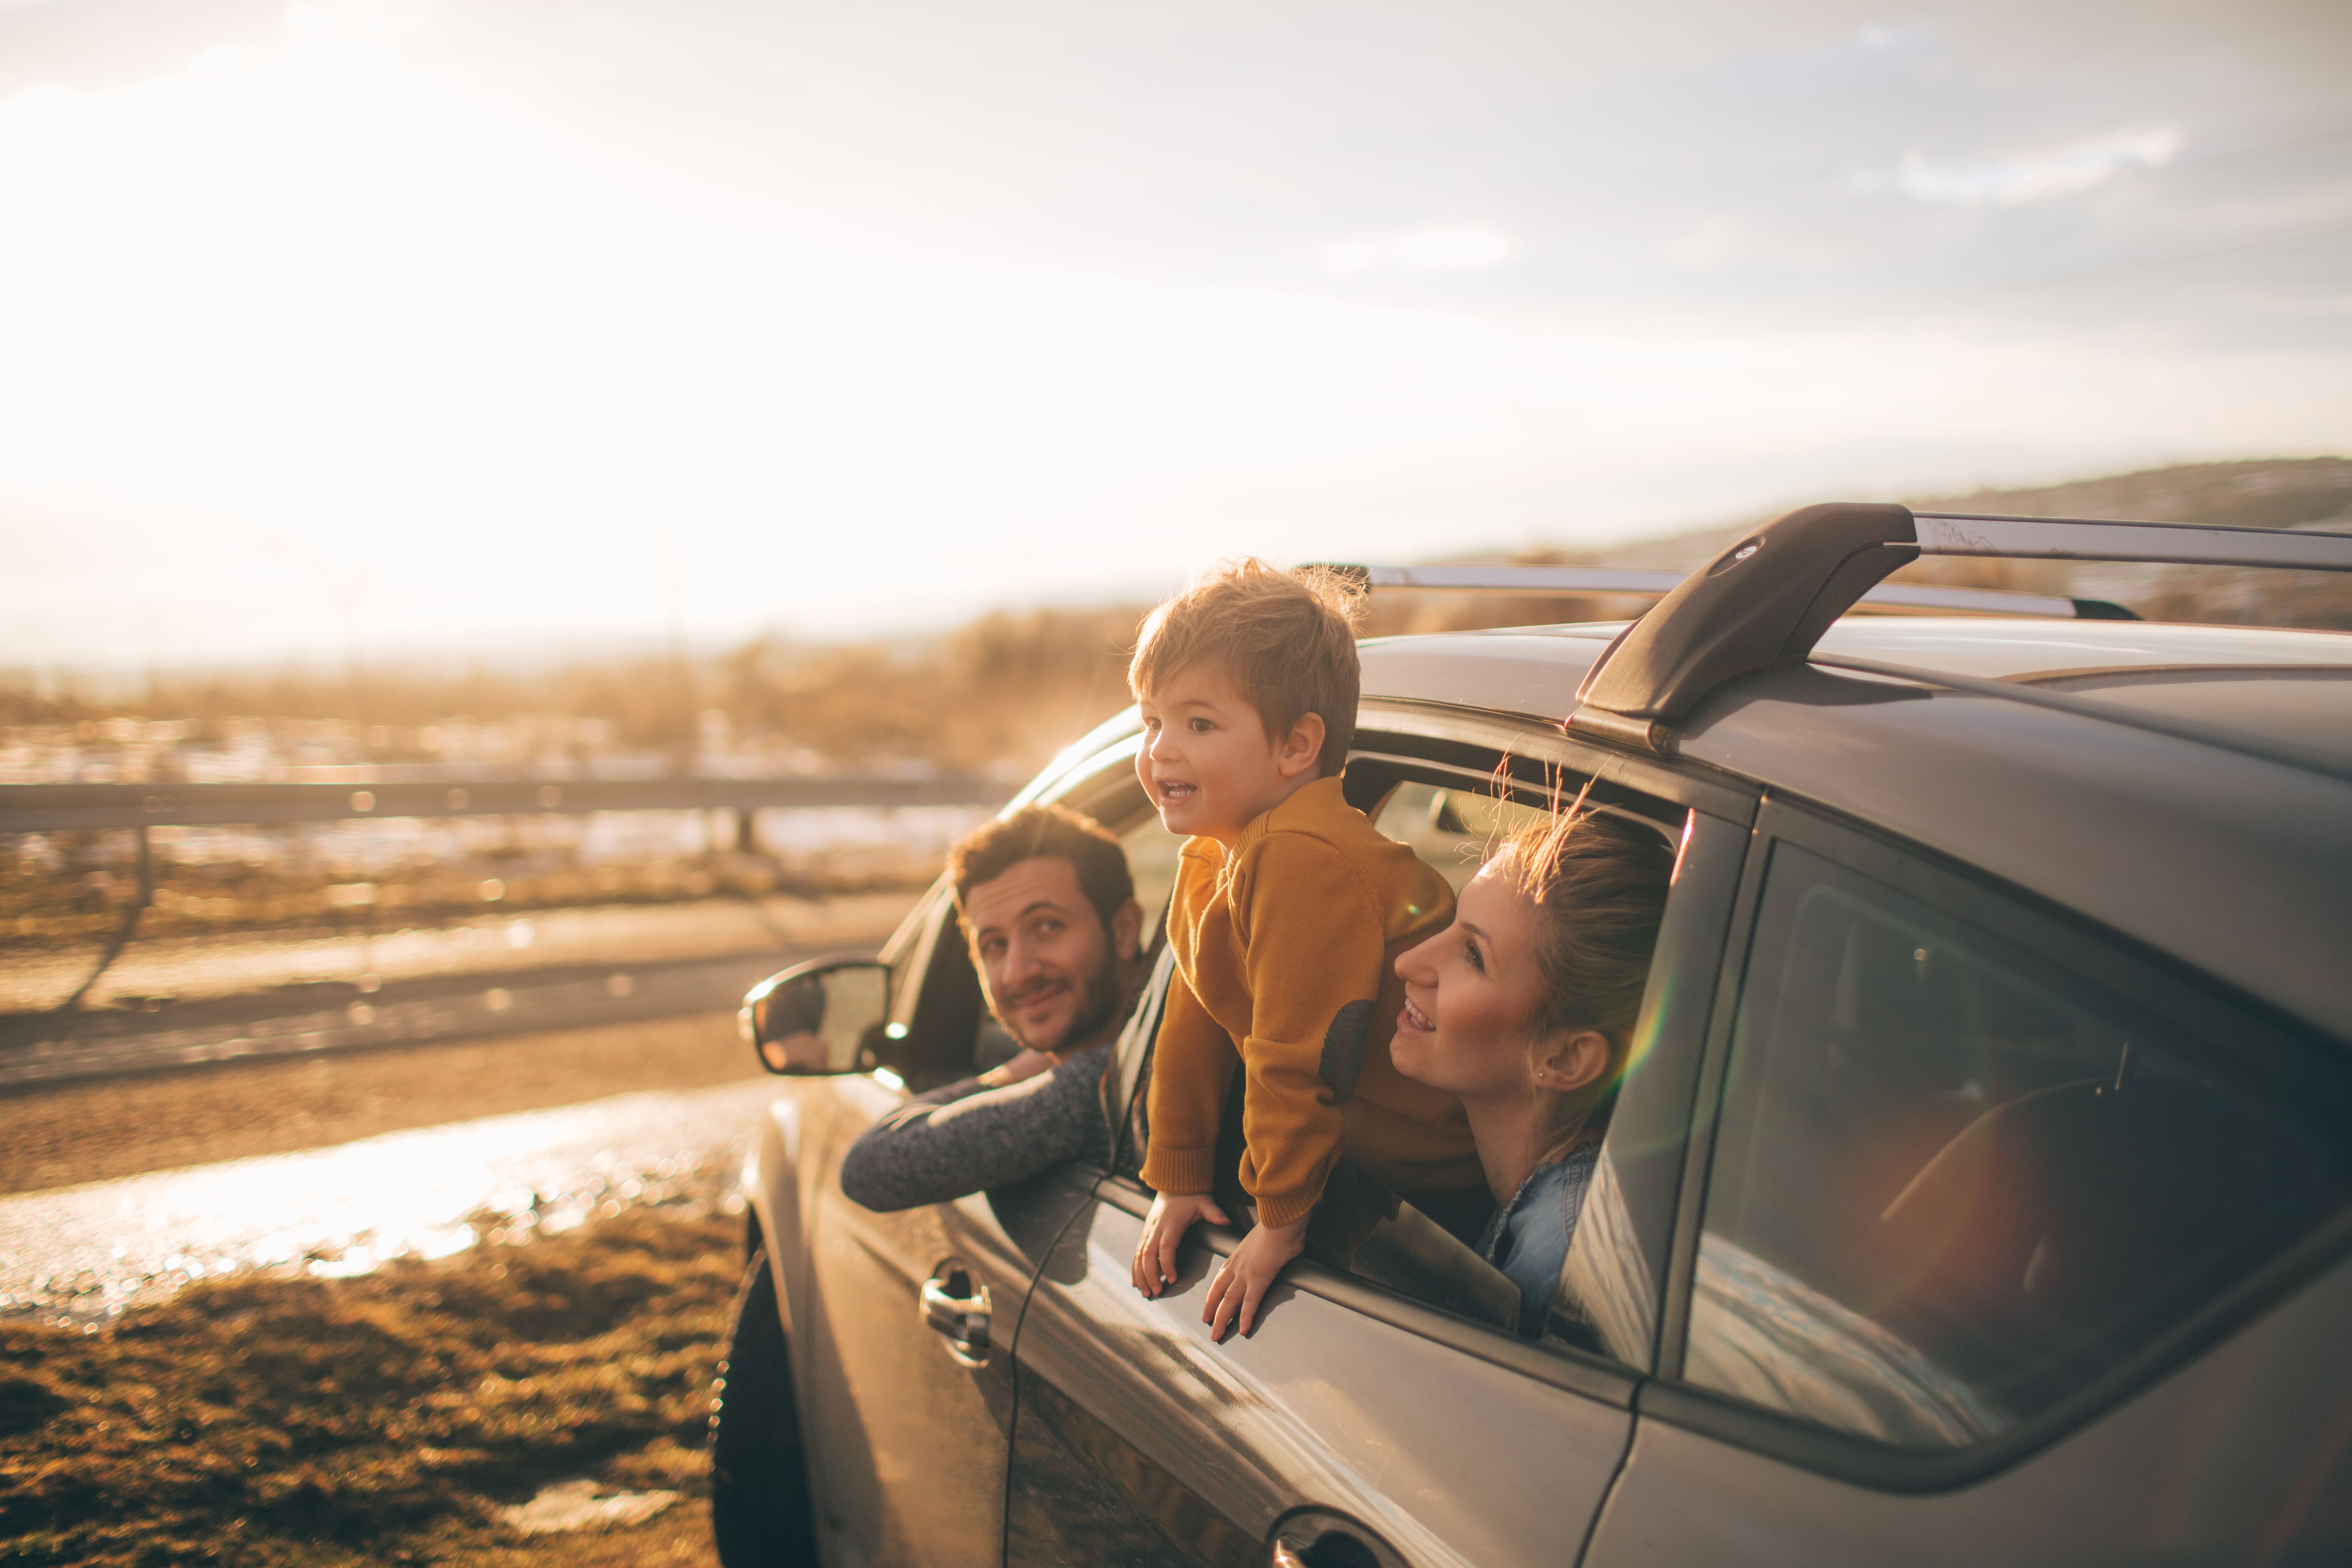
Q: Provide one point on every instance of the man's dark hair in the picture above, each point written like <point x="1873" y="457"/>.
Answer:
<point x="995" y="847"/>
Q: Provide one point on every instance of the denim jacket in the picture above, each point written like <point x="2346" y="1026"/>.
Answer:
<point x="1528" y="1237"/>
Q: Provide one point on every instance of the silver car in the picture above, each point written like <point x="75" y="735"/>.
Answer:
<point x="1981" y="1192"/>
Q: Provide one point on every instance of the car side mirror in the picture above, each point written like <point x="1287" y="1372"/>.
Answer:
<point x="821" y="1017"/>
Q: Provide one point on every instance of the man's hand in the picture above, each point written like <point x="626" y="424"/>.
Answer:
<point x="1242" y="1284"/>
<point x="1027" y="1064"/>
<point x="1163" y="1232"/>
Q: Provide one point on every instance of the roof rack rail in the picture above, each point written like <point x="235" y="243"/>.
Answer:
<point x="1659" y="584"/>
<point x="1767" y="599"/>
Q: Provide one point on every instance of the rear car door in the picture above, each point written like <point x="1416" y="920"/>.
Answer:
<point x="1386" y="1411"/>
<point x="2003" y="1243"/>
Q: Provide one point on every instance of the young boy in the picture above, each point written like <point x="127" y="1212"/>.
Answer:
<point x="1287" y="916"/>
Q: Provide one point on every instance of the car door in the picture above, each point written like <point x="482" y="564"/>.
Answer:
<point x="2005" y="1243"/>
<point x="907" y="1386"/>
<point x="908" y="1419"/>
<point x="1386" y="1412"/>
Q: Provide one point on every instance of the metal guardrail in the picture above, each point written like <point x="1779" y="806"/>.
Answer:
<point x="43" y="808"/>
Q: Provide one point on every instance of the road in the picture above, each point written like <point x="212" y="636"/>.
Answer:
<point x="84" y="1253"/>
<point x="274" y="1116"/>
<point x="193" y="1000"/>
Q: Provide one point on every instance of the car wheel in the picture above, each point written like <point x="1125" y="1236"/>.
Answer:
<point x="759" y="1481"/>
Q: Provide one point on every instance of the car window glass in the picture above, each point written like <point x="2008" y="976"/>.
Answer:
<point x="1152" y="852"/>
<point x="1451" y="829"/>
<point x="1955" y="1183"/>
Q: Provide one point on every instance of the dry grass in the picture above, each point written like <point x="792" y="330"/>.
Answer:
<point x="310" y="1423"/>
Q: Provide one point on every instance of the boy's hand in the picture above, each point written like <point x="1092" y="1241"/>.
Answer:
<point x="1242" y="1284"/>
<point x="1163" y="1232"/>
<point x="1025" y="1064"/>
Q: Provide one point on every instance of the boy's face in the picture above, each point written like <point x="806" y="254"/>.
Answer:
<point x="1207" y="762"/>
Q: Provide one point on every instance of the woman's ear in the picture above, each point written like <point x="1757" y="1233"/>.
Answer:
<point x="1571" y="1060"/>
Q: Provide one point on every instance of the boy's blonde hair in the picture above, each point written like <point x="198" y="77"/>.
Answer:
<point x="1286" y="640"/>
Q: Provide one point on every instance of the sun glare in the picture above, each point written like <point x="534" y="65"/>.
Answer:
<point x="310" y="292"/>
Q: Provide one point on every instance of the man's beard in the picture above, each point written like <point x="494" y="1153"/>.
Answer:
<point x="1098" y="998"/>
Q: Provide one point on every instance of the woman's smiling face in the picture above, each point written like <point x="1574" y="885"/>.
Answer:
<point x="1470" y="993"/>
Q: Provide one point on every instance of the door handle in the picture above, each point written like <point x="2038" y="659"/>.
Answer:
<point x="956" y="1311"/>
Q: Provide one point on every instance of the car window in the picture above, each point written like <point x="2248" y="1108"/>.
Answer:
<point x="1152" y="852"/>
<point x="1109" y="793"/>
<point x="1956" y="1182"/>
<point x="1426" y="1250"/>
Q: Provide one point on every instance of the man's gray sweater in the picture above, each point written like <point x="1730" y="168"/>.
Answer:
<point x="967" y="1138"/>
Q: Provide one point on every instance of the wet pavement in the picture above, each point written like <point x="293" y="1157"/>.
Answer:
<point x="186" y="1002"/>
<point x="84" y="1254"/>
<point x="295" y="1021"/>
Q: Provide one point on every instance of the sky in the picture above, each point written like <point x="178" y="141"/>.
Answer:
<point x="418" y="327"/>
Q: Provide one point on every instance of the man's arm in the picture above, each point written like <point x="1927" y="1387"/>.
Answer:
<point x="968" y="1138"/>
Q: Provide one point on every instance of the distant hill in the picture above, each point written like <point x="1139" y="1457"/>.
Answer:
<point x="2306" y="492"/>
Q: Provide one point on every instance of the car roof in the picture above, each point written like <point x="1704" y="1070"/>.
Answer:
<point x="2290" y="687"/>
<point x="2224" y="856"/>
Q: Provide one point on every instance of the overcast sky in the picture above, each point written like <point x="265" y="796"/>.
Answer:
<point x="480" y="325"/>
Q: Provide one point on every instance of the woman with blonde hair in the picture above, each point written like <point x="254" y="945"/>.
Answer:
<point x="1524" y="1008"/>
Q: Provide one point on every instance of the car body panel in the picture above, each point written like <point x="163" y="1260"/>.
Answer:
<point x="2226" y="1462"/>
<point x="1188" y="1448"/>
<point x="1535" y="673"/>
<point x="2233" y="865"/>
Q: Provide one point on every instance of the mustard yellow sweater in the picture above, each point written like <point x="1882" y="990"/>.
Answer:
<point x="1285" y="965"/>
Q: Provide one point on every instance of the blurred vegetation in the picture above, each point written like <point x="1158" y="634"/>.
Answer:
<point x="39" y="906"/>
<point x="1010" y="689"/>
<point x="1006" y="692"/>
<point x="315" y="1422"/>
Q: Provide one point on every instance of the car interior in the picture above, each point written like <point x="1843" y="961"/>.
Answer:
<point x="1450" y="819"/>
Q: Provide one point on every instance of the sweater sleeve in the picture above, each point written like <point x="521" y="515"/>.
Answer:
<point x="1314" y="948"/>
<point x="942" y="1145"/>
<point x="1193" y="1066"/>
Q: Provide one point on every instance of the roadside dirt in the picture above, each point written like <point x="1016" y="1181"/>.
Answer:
<point x="311" y="1423"/>
<point x="678" y="1537"/>
<point x="122" y="1127"/>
